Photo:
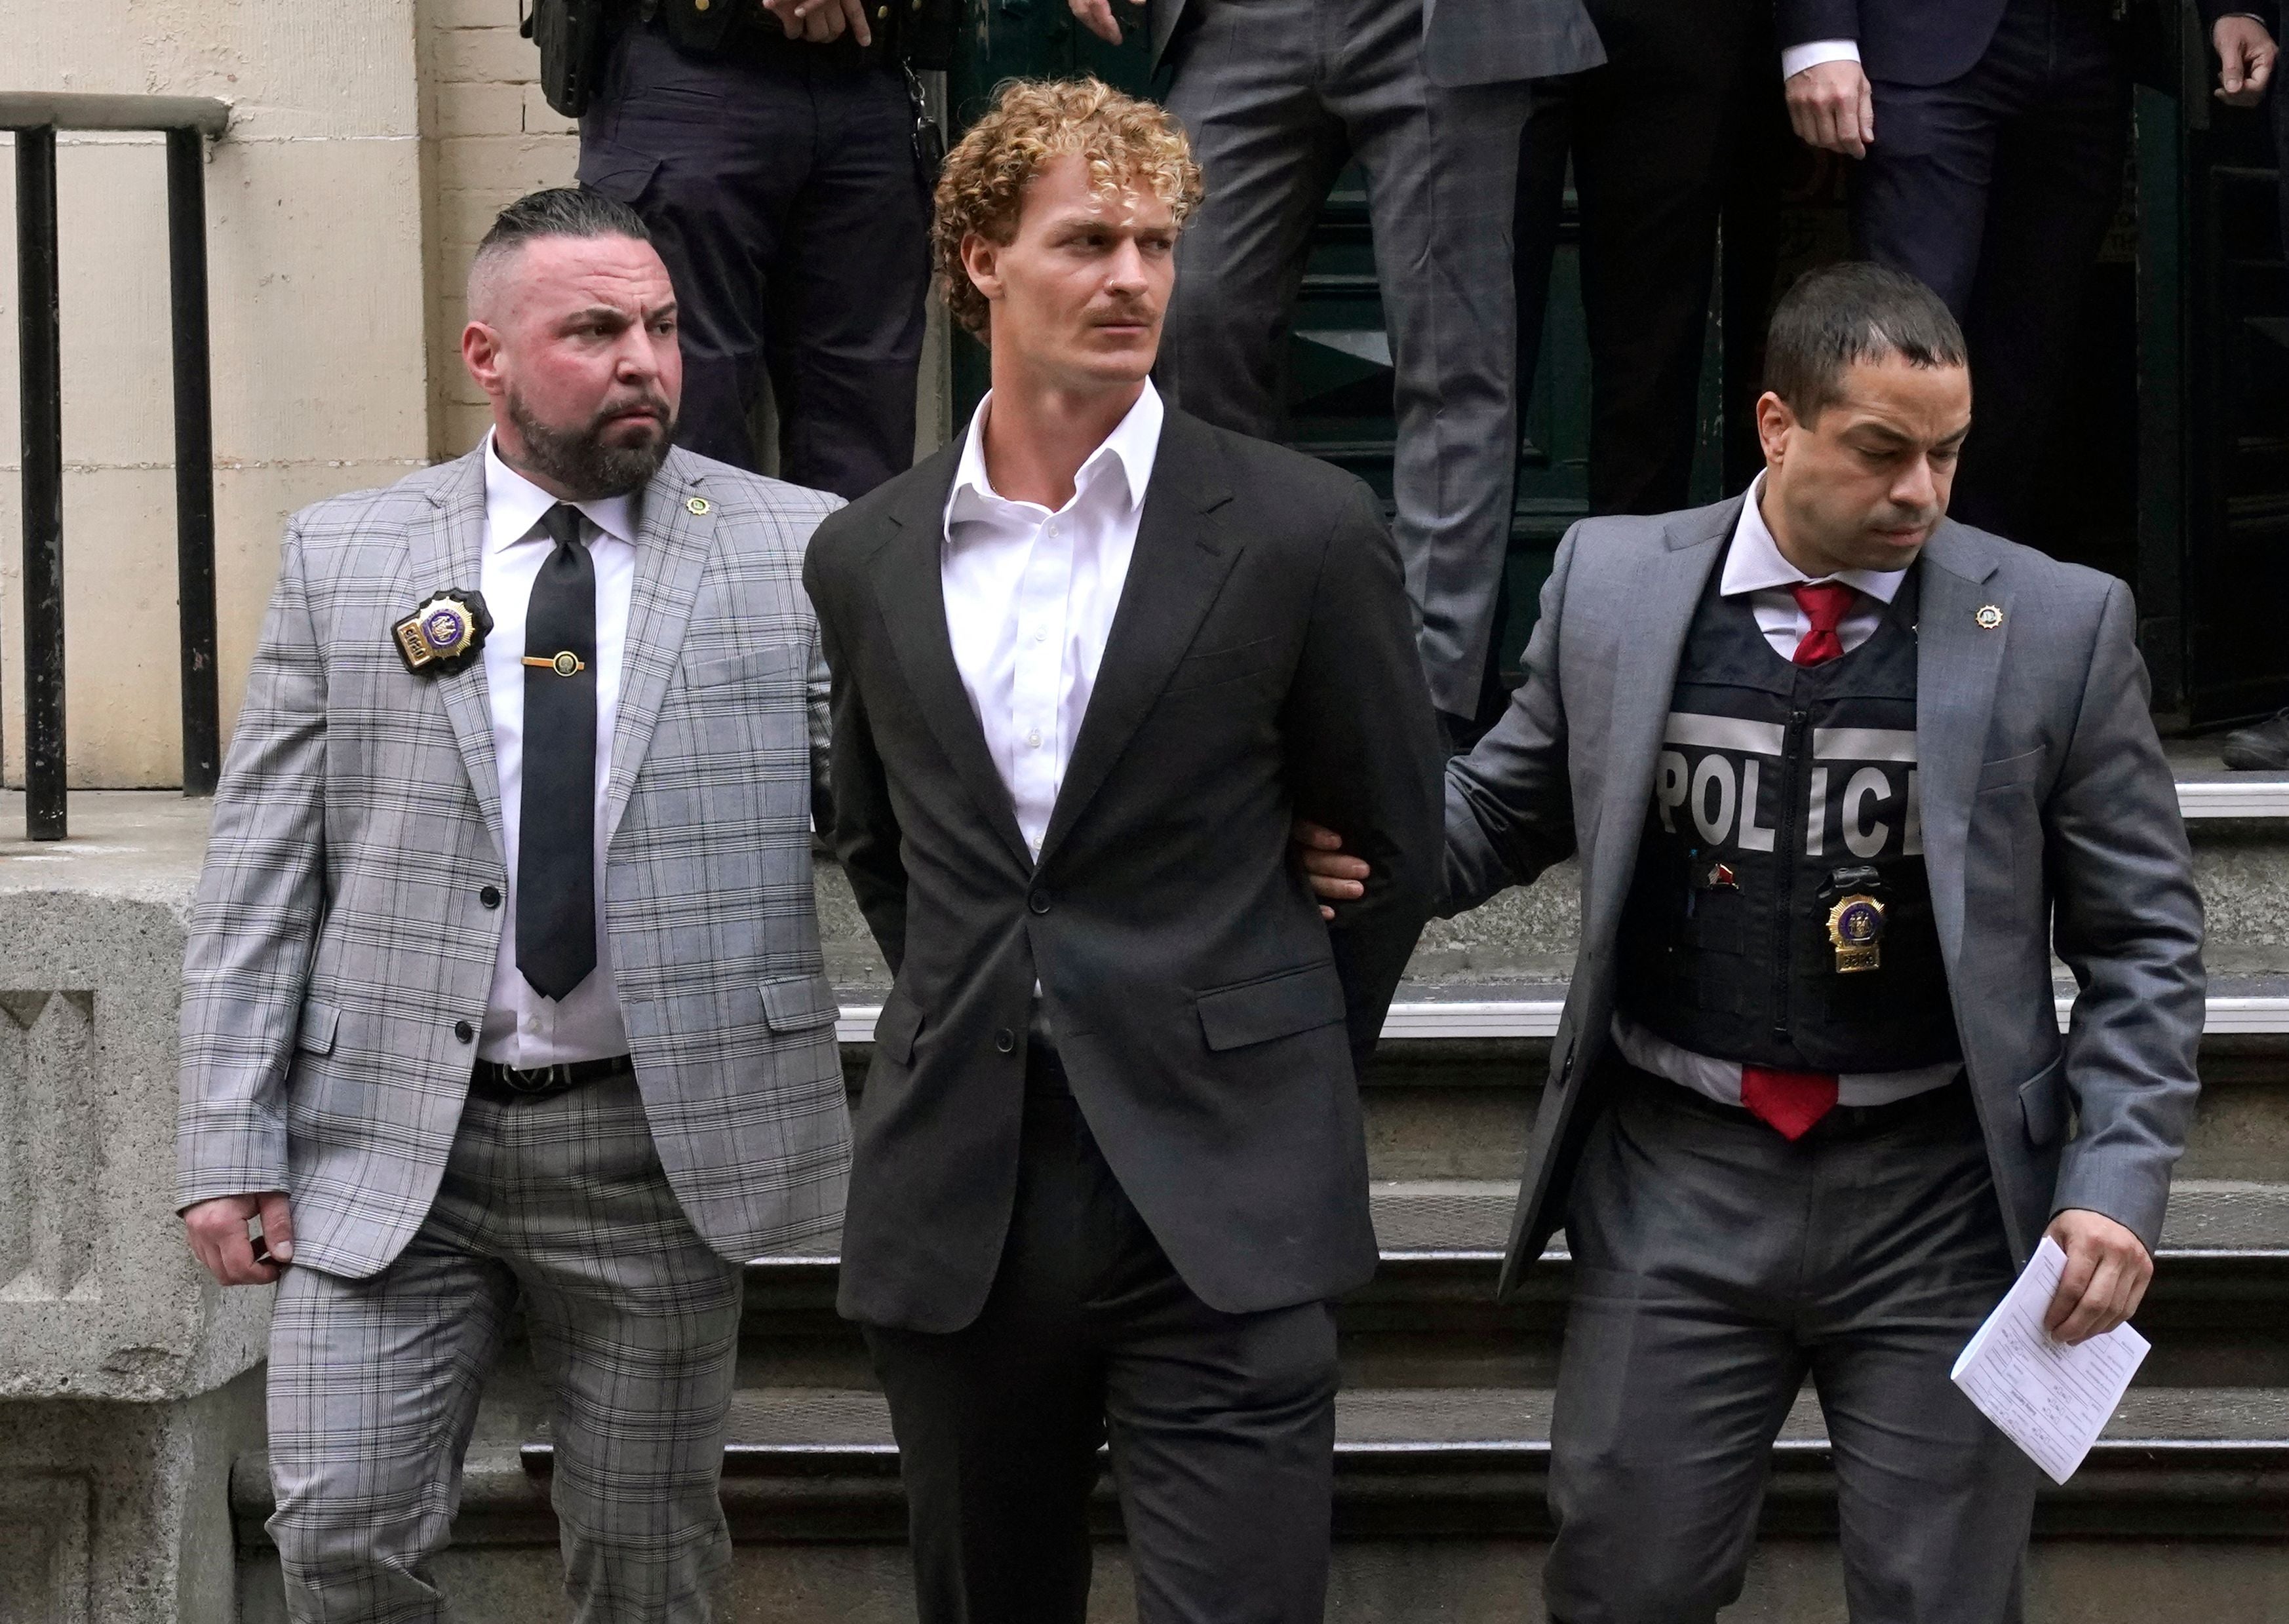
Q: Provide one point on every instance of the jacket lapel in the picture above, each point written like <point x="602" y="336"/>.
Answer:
<point x="1179" y="564"/>
<point x="910" y="590"/>
<point x="672" y="547"/>
<point x="1958" y="664"/>
<point x="1660" y="602"/>
<point x="446" y="555"/>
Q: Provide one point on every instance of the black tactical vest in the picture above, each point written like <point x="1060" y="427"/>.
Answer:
<point x="1779" y="914"/>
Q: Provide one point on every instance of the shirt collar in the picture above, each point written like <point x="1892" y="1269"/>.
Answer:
<point x="1130" y="449"/>
<point x="1753" y="563"/>
<point x="514" y="505"/>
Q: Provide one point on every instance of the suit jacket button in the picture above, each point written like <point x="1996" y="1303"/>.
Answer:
<point x="1006" y="1041"/>
<point x="465" y="1032"/>
<point x="1039" y="902"/>
<point x="489" y="896"/>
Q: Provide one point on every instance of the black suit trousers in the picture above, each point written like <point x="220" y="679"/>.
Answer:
<point x="1660" y="137"/>
<point x="1221" y="1426"/>
<point x="785" y="200"/>
<point x="1996" y="189"/>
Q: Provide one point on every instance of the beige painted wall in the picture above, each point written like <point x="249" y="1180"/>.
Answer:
<point x="314" y="207"/>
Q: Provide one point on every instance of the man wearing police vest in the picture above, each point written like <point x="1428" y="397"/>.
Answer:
<point x="1842" y="776"/>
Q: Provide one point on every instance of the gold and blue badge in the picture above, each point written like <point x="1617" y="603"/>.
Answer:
<point x="1856" y="929"/>
<point x="445" y="633"/>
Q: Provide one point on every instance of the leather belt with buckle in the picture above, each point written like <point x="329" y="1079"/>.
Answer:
<point x="495" y="1081"/>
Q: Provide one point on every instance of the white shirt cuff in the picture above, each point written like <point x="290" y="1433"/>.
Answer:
<point x="1812" y="54"/>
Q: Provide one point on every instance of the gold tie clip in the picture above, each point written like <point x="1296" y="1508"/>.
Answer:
<point x="565" y="665"/>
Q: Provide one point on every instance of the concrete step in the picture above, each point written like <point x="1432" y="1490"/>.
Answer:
<point x="2218" y="1312"/>
<point x="1529" y="1008"/>
<point x="808" y="1464"/>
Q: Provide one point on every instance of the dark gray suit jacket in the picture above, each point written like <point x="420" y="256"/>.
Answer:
<point x="2050" y="823"/>
<point x="1261" y="665"/>
<point x="1468" y="41"/>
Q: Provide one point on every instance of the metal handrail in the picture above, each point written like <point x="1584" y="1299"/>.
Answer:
<point x="187" y="121"/>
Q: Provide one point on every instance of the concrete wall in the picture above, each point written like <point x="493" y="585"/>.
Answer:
<point x="315" y="261"/>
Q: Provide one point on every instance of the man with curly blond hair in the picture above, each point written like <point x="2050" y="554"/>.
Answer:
<point x="1090" y="662"/>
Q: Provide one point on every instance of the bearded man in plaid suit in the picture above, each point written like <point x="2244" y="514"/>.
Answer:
<point x="504" y="986"/>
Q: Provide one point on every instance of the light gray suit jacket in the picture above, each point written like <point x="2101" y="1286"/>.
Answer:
<point x="2050" y="822"/>
<point x="1468" y="41"/>
<point x="338" y="936"/>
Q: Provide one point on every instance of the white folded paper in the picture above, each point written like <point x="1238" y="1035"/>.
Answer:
<point x="2050" y="1399"/>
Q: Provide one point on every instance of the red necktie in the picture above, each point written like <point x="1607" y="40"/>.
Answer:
<point x="1791" y="1102"/>
<point x="1825" y="604"/>
<point x="1788" y="1102"/>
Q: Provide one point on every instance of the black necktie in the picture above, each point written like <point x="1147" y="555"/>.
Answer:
<point x="557" y="823"/>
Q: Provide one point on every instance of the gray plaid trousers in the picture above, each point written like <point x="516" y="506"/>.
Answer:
<point x="559" y="1205"/>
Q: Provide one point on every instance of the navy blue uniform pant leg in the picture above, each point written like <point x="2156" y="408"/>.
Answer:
<point x="1996" y="189"/>
<point x="787" y="204"/>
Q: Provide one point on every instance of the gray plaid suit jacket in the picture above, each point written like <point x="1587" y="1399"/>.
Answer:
<point x="339" y="951"/>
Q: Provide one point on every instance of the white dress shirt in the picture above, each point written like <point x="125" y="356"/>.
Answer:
<point x="1753" y="565"/>
<point x="1813" y="52"/>
<point x="523" y="1028"/>
<point x="1030" y="596"/>
<point x="1754" y="568"/>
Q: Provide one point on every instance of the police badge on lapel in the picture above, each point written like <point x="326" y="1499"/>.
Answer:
<point x="445" y="633"/>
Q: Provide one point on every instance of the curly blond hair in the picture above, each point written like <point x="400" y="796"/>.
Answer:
<point x="1033" y="123"/>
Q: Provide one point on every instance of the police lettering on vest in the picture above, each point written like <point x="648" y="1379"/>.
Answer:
<point x="1780" y="914"/>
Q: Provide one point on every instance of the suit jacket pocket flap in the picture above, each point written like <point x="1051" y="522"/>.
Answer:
<point x="897" y="1027"/>
<point x="738" y="667"/>
<point x="2012" y="771"/>
<point x="1275" y="1007"/>
<point x="316" y="1035"/>
<point x="798" y="1003"/>
<point x="2043" y="1102"/>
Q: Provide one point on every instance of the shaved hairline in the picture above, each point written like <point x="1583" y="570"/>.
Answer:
<point x="489" y="272"/>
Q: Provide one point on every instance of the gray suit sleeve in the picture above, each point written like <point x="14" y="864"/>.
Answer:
<point x="2127" y="921"/>
<point x="255" y="922"/>
<point x="1510" y="802"/>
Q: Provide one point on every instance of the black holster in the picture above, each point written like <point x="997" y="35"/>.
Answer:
<point x="572" y="36"/>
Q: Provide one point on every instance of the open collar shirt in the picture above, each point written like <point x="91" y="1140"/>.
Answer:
<point x="1030" y="597"/>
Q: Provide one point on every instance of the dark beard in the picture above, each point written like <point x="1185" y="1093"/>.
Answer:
<point x="579" y="459"/>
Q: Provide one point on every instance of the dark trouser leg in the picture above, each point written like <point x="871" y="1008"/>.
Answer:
<point x="1919" y="197"/>
<point x="1935" y="1503"/>
<point x="1678" y="1369"/>
<point x="1543" y="146"/>
<point x="848" y="291"/>
<point x="999" y="1423"/>
<point x="2057" y="178"/>
<point x="1654" y="131"/>
<point x="1224" y="1435"/>
<point x="1246" y="91"/>
<point x="710" y="153"/>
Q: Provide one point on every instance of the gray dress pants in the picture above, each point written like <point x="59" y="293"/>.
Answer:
<point x="558" y="1205"/>
<point x="1278" y="95"/>
<point x="1716" y="1265"/>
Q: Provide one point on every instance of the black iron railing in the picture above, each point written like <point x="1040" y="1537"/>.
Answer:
<point x="186" y="122"/>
